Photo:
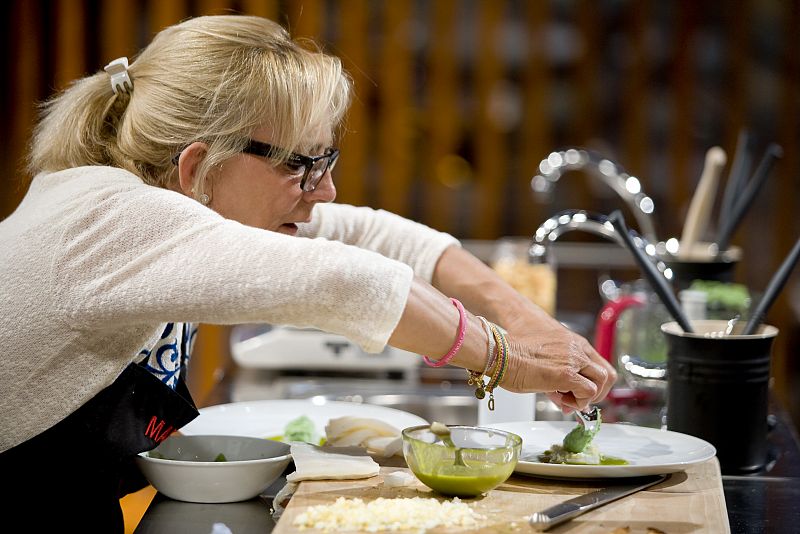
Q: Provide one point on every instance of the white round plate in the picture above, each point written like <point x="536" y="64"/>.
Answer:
<point x="649" y="451"/>
<point x="268" y="418"/>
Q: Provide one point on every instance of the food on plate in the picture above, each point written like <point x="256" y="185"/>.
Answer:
<point x="300" y="429"/>
<point x="220" y="458"/>
<point x="416" y="513"/>
<point x="367" y="432"/>
<point x="347" y="431"/>
<point x="577" y="448"/>
<point x="580" y="437"/>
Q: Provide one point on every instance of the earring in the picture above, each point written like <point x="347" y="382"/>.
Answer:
<point x="204" y="199"/>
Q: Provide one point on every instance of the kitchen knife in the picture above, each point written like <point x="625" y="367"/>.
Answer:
<point x="560" y="513"/>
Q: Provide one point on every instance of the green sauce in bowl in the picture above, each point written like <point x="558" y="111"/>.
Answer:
<point x="489" y="458"/>
<point x="459" y="482"/>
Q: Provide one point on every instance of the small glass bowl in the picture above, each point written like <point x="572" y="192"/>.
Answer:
<point x="489" y="457"/>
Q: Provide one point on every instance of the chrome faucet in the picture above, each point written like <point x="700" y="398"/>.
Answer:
<point x="636" y="370"/>
<point x="627" y="187"/>
<point x="568" y="220"/>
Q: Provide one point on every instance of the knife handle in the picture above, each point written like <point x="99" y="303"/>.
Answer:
<point x="562" y="512"/>
<point x="555" y="515"/>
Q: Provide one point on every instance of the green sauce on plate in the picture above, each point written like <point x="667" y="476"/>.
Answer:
<point x="613" y="460"/>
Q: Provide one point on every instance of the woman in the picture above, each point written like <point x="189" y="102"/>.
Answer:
<point x="195" y="186"/>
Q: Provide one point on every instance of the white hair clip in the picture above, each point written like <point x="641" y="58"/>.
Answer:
<point x="120" y="81"/>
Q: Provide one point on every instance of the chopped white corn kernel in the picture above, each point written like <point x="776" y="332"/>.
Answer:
<point x="415" y="514"/>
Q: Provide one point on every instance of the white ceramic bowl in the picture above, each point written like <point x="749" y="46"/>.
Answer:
<point x="184" y="467"/>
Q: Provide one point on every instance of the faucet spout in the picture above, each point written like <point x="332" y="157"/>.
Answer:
<point x="569" y="220"/>
<point x="626" y="186"/>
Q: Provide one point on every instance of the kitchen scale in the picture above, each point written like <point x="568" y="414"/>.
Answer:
<point x="265" y="346"/>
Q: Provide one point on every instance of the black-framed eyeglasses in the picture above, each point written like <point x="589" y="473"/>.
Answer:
<point x="313" y="167"/>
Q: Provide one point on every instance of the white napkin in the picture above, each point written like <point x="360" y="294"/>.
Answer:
<point x="316" y="463"/>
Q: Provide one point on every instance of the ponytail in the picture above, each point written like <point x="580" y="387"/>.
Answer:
<point x="78" y="126"/>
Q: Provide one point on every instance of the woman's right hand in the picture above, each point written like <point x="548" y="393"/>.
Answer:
<point x="544" y="357"/>
<point x="559" y="362"/>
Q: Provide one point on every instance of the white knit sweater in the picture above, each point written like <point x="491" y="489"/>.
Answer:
<point x="94" y="263"/>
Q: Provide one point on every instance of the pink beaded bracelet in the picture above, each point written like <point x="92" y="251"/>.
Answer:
<point x="462" y="331"/>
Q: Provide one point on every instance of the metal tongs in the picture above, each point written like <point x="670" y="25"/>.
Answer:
<point x="588" y="419"/>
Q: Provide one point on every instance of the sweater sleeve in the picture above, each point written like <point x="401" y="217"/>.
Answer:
<point x="393" y="236"/>
<point x="145" y="254"/>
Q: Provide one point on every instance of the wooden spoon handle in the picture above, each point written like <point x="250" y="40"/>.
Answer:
<point x="702" y="202"/>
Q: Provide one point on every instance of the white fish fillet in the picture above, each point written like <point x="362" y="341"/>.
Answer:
<point x="339" y="426"/>
<point x="351" y="439"/>
<point x="386" y="445"/>
<point x="372" y="434"/>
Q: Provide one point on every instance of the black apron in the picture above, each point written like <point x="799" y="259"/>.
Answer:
<point x="73" y="474"/>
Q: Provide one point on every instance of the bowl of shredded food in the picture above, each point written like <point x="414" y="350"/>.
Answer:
<point x="213" y="469"/>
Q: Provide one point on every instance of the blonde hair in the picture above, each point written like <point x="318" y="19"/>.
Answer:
<point x="213" y="79"/>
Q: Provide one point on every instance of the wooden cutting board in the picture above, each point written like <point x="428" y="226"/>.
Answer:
<point x="691" y="501"/>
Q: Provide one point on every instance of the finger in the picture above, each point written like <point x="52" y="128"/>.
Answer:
<point x="596" y="373"/>
<point x="565" y="401"/>
<point x="557" y="399"/>
<point x="579" y="404"/>
<point x="611" y="380"/>
<point x="611" y="373"/>
<point x="581" y="386"/>
<point x="599" y="376"/>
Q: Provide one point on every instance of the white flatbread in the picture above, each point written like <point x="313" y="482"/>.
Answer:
<point x="316" y="463"/>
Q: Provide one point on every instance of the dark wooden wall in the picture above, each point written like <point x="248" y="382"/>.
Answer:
<point x="458" y="101"/>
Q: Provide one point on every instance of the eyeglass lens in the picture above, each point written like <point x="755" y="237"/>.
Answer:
<point x="318" y="170"/>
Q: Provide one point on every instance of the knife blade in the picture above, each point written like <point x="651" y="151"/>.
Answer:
<point x="560" y="513"/>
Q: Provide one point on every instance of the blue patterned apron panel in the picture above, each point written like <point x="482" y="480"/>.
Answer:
<point x="171" y="352"/>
